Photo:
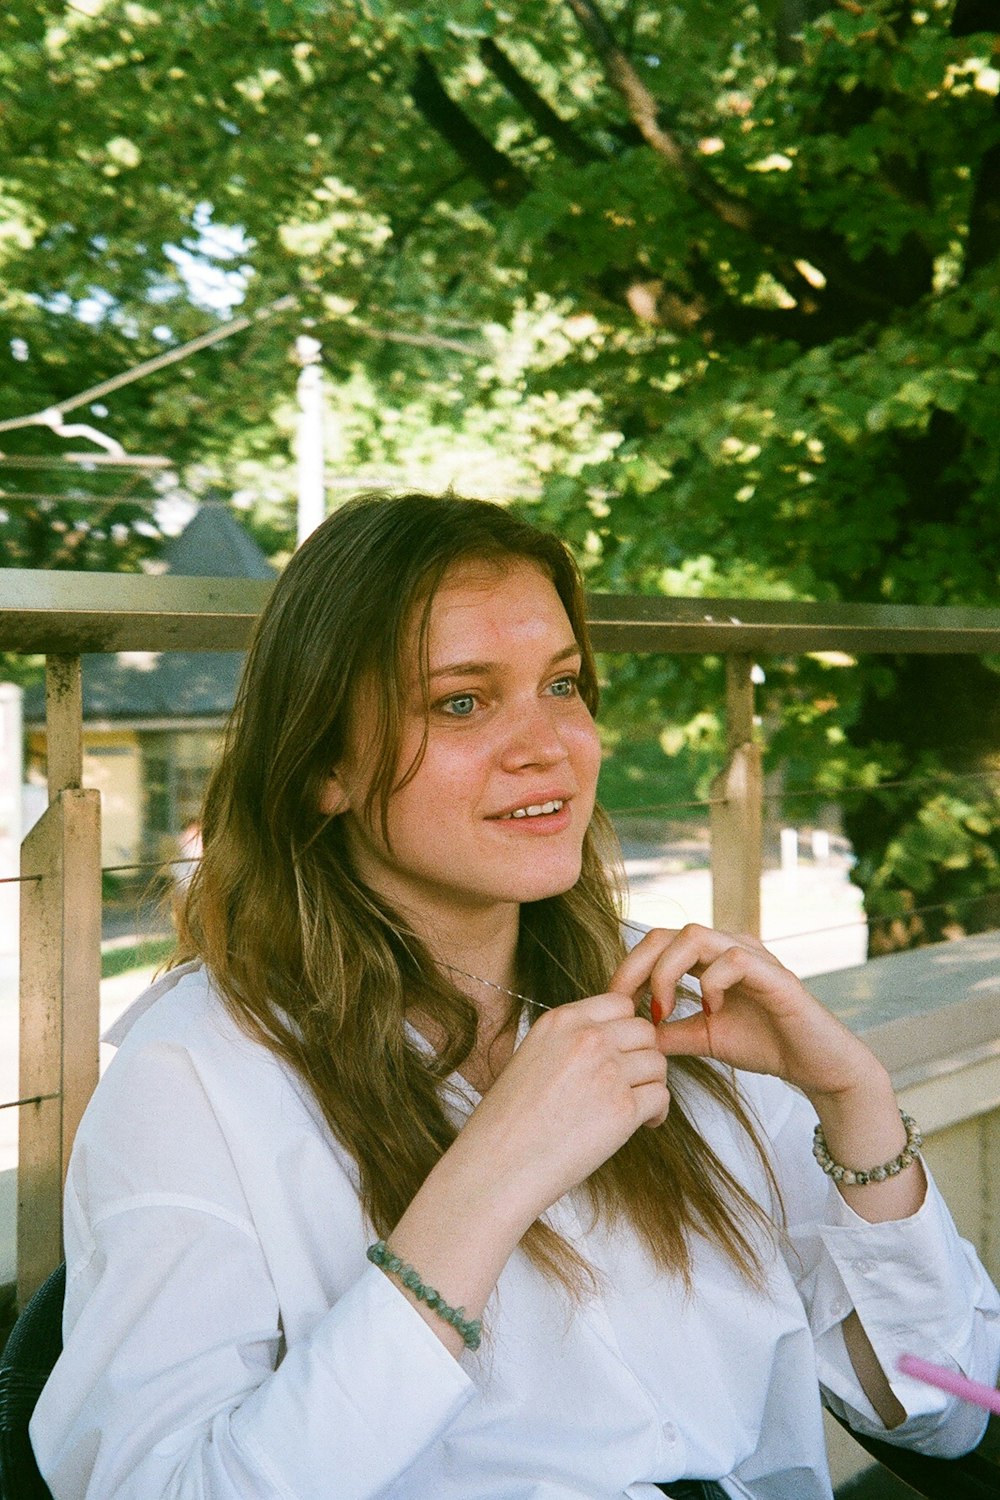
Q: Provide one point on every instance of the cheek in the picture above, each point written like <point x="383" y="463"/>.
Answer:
<point x="428" y="806"/>
<point x="586" y="751"/>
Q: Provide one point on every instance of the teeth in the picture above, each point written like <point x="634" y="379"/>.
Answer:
<point x="535" y="811"/>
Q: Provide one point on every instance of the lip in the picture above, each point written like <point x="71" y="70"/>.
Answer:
<point x="533" y="799"/>
<point x="541" y="825"/>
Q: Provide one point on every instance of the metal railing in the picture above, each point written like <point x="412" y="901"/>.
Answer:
<point x="63" y="615"/>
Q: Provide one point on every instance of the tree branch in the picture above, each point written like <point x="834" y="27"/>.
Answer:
<point x="417" y="340"/>
<point x="650" y="299"/>
<point x="403" y="228"/>
<point x="559" y="131"/>
<point x="771" y="234"/>
<point x="643" y="111"/>
<point x="502" y="178"/>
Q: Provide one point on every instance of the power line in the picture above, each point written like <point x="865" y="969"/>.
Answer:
<point x="149" y="366"/>
<point x="214" y="336"/>
<point x="88" y="499"/>
<point x="350" y="483"/>
<point x="83" y="460"/>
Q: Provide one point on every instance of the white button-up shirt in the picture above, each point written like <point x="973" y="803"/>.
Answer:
<point x="226" y="1339"/>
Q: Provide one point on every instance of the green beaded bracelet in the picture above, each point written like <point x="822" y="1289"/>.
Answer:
<point x="470" y="1329"/>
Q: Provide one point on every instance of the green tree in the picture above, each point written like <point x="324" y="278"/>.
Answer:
<point x="715" y="283"/>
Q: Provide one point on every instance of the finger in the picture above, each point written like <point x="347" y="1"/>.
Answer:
<point x="635" y="968"/>
<point x="664" y="956"/>
<point x="689" y="1037"/>
<point x="729" y="969"/>
<point x="699" y="950"/>
<point x="652" y="1101"/>
<point x="641" y="1068"/>
<point x="633" y="1035"/>
<point x="766" y="981"/>
<point x="595" y="1008"/>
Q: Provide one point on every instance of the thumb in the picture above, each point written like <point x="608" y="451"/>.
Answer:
<point x="686" y="1037"/>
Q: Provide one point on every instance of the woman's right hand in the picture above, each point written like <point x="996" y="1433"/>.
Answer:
<point x="586" y="1076"/>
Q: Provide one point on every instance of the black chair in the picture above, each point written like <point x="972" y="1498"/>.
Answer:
<point x="32" y="1349"/>
<point x="976" y="1476"/>
<point x="36" y="1341"/>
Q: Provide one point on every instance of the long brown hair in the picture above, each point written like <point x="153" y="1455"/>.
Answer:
<point x="319" y="968"/>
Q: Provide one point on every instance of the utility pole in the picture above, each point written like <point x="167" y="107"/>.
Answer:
<point x="312" y="498"/>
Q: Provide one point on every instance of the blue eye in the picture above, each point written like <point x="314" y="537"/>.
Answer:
<point x="563" y="687"/>
<point x="459" y="707"/>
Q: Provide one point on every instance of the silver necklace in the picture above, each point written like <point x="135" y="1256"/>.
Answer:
<point x="492" y="985"/>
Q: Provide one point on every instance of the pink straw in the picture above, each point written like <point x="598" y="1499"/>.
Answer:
<point x="948" y="1380"/>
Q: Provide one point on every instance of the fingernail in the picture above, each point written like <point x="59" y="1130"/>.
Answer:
<point x="656" y="1011"/>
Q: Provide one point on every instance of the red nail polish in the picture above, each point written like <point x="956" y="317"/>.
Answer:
<point x="656" y="1011"/>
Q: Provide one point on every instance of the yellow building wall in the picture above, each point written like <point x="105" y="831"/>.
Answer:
<point x="113" y="765"/>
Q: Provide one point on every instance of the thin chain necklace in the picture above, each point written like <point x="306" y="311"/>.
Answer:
<point x="492" y="985"/>
<point x="502" y="989"/>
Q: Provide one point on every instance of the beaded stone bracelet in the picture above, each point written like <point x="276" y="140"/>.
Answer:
<point x="854" y="1176"/>
<point x="470" y="1329"/>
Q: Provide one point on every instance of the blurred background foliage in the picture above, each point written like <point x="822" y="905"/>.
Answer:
<point x="711" y="289"/>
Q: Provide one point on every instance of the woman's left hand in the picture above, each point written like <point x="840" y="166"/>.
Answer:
<point x="755" y="1013"/>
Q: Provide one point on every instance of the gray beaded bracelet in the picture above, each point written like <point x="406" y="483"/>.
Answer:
<point x="854" y="1176"/>
<point x="470" y="1329"/>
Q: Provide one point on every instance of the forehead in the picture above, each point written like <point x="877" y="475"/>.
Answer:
<point x="507" y="601"/>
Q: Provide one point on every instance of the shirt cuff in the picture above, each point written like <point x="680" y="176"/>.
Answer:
<point x="916" y="1290"/>
<point x="898" y="1275"/>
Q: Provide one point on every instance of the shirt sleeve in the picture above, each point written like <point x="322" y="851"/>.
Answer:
<point x="175" y="1382"/>
<point x="916" y="1286"/>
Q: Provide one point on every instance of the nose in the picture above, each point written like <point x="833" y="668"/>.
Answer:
<point x="533" y="737"/>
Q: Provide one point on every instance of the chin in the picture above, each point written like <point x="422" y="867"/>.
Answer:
<point x="541" y="889"/>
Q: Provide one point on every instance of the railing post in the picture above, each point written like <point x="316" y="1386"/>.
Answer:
<point x="737" y="811"/>
<point x="60" y="979"/>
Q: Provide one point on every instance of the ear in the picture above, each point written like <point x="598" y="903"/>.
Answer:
<point x="333" y="798"/>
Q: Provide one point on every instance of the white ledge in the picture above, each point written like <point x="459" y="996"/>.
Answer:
<point x="932" y="1015"/>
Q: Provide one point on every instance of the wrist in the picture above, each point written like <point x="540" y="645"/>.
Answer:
<point x="469" y="1330"/>
<point x="846" y="1175"/>
<point x="865" y="1092"/>
<point x="861" y="1124"/>
<point x="456" y="1236"/>
<point x="862" y="1131"/>
<point x="488" y="1163"/>
<point x="471" y="1186"/>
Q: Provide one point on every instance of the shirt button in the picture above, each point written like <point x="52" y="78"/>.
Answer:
<point x="669" y="1432"/>
<point x="865" y="1267"/>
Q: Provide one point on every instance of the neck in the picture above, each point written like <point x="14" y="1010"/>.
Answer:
<point x="488" y="951"/>
<point x="482" y="944"/>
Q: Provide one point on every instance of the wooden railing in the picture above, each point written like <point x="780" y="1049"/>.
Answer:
<point x="63" y="615"/>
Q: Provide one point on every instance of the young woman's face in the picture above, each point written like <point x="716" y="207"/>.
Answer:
<point x="497" y="811"/>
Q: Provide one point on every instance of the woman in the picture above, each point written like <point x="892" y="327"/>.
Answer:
<point x="385" y="1193"/>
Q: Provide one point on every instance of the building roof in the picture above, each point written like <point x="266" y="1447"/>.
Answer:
<point x="129" y="687"/>
<point x="215" y="545"/>
<point x="133" y="687"/>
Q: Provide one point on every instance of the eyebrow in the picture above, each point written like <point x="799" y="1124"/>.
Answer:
<point x="483" y="668"/>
